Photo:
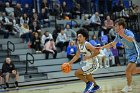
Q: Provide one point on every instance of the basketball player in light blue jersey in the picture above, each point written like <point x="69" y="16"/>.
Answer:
<point x="89" y="53"/>
<point x="126" y="37"/>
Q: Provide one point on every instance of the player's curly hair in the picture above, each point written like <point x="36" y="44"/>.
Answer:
<point x="84" y="32"/>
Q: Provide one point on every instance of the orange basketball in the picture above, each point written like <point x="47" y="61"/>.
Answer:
<point x="66" y="67"/>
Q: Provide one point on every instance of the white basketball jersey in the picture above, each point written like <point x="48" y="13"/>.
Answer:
<point x="85" y="52"/>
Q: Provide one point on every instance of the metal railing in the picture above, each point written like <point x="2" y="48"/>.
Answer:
<point x="9" y="50"/>
<point x="28" y="60"/>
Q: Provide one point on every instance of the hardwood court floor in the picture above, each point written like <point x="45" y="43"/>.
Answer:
<point x="109" y="85"/>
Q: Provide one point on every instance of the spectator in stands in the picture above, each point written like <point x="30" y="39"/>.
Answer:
<point x="9" y="10"/>
<point x="76" y="11"/>
<point x="47" y="36"/>
<point x="125" y="14"/>
<point x="9" y="70"/>
<point x="104" y="39"/>
<point x="7" y="25"/>
<point x="49" y="47"/>
<point x="62" y="40"/>
<point x="71" y="34"/>
<point x="33" y="17"/>
<point x="15" y="26"/>
<point x="18" y="11"/>
<point x="36" y="43"/>
<point x="71" y="50"/>
<point x="27" y="10"/>
<point x="24" y="19"/>
<point x="116" y="56"/>
<point x="95" y="21"/>
<point x="66" y="12"/>
<point x="109" y="57"/>
<point x="35" y="27"/>
<point x="44" y="17"/>
<point x="112" y="34"/>
<point x="44" y="4"/>
<point x="86" y="23"/>
<point x="108" y="24"/>
<point x="55" y="32"/>
<point x="101" y="57"/>
<point x="94" y="41"/>
<point x="58" y="11"/>
<point x="25" y="33"/>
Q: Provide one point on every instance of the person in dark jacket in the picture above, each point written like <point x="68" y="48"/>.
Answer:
<point x="9" y="70"/>
<point x="36" y="42"/>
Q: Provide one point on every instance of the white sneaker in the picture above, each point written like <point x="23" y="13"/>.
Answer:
<point x="126" y="89"/>
<point x="106" y="66"/>
<point x="101" y="66"/>
<point x="17" y="88"/>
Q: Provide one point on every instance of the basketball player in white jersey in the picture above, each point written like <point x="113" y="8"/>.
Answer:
<point x="89" y="53"/>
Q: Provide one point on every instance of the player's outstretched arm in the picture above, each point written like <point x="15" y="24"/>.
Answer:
<point x="109" y="45"/>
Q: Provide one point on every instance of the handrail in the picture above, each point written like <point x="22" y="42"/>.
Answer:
<point x="9" y="50"/>
<point x="29" y="61"/>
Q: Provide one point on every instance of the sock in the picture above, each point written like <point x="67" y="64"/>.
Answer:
<point x="7" y="85"/>
<point x="16" y="84"/>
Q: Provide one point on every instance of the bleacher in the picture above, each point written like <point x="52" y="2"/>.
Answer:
<point x="46" y="70"/>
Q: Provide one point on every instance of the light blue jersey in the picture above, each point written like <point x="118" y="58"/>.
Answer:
<point x="131" y="48"/>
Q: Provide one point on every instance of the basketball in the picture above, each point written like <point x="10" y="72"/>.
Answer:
<point x="66" y="67"/>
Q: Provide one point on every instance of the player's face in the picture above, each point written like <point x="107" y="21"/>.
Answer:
<point x="80" y="38"/>
<point x="8" y="60"/>
<point x="117" y="28"/>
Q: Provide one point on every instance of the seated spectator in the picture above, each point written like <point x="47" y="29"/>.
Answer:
<point x="35" y="27"/>
<point x="46" y="36"/>
<point x="18" y="11"/>
<point x="109" y="57"/>
<point x="112" y="34"/>
<point x="24" y="19"/>
<point x="115" y="54"/>
<point x="86" y="23"/>
<point x="104" y="39"/>
<point x="25" y="33"/>
<point x="101" y="58"/>
<point x="49" y="47"/>
<point x="55" y="32"/>
<point x="62" y="40"/>
<point x="44" y="17"/>
<point x="27" y="10"/>
<point x="9" y="70"/>
<point x="36" y="43"/>
<point x="94" y="41"/>
<point x="65" y="10"/>
<point x="45" y="4"/>
<point x="95" y="21"/>
<point x="58" y="11"/>
<point x="9" y="10"/>
<point x="71" y="50"/>
<point x="108" y="24"/>
<point x="71" y="34"/>
<point x="6" y="24"/>
<point x="76" y="11"/>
